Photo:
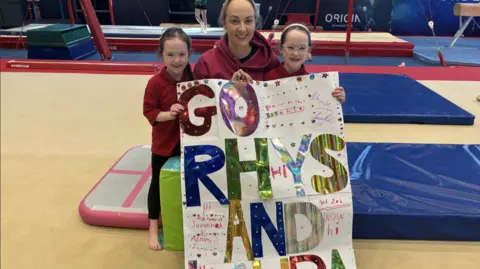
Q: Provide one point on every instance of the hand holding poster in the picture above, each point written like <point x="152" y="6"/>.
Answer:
<point x="265" y="179"/>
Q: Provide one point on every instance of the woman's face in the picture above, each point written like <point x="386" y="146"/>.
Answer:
<point x="240" y="22"/>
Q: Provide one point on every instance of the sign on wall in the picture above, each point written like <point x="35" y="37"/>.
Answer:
<point x="368" y="15"/>
<point x="265" y="178"/>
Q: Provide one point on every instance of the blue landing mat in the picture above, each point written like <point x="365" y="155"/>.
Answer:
<point x="415" y="191"/>
<point x="465" y="52"/>
<point x="421" y="42"/>
<point x="462" y="56"/>
<point x="384" y="98"/>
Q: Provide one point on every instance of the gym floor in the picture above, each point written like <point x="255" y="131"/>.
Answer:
<point x="62" y="131"/>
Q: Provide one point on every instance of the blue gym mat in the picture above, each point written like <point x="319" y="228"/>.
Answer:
<point x="415" y="191"/>
<point x="465" y="52"/>
<point x="462" y="56"/>
<point x="385" y="98"/>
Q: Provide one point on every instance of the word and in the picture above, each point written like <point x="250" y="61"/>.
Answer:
<point x="282" y="234"/>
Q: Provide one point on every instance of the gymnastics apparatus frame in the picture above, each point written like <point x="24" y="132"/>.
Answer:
<point x="106" y="54"/>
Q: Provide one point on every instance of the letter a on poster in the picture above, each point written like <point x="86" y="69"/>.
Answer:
<point x="265" y="178"/>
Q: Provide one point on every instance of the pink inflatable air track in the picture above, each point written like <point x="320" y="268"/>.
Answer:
<point x="119" y="199"/>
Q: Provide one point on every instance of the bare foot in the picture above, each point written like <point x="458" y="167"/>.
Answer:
<point x="153" y="242"/>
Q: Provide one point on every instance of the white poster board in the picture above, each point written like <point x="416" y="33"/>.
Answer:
<point x="265" y="178"/>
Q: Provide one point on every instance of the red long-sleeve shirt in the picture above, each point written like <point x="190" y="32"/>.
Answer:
<point x="160" y="95"/>
<point x="281" y="72"/>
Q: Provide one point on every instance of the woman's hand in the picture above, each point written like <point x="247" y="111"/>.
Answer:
<point x="176" y="109"/>
<point x="339" y="93"/>
<point x="241" y="75"/>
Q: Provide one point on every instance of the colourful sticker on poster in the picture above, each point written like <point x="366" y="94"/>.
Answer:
<point x="263" y="179"/>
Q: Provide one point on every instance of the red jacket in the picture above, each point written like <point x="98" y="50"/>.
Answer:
<point x="220" y="63"/>
<point x="160" y="95"/>
<point x="281" y="72"/>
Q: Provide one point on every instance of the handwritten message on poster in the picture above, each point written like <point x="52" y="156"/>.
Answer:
<point x="265" y="178"/>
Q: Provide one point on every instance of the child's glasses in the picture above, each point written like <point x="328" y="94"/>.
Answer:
<point x="292" y="49"/>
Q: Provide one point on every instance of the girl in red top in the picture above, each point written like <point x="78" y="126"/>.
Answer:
<point x="295" y="46"/>
<point x="242" y="47"/>
<point x="161" y="109"/>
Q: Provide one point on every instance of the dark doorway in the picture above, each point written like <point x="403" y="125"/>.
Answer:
<point x="182" y="11"/>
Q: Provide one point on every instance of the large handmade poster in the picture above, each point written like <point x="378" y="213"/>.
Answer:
<point x="264" y="175"/>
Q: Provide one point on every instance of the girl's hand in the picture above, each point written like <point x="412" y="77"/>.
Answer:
<point x="241" y="75"/>
<point x="339" y="93"/>
<point x="176" y="109"/>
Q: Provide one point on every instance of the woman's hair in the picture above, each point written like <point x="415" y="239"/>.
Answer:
<point x="223" y="13"/>
<point x="295" y="26"/>
<point x="176" y="32"/>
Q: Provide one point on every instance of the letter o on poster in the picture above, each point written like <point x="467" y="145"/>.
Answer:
<point x="230" y="94"/>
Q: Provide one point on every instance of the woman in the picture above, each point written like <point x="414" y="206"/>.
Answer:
<point x="242" y="50"/>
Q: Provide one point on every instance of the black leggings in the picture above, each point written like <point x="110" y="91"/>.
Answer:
<point x="154" y="191"/>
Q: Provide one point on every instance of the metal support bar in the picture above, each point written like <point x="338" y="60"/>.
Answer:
<point x="71" y="15"/>
<point x="349" y="31"/>
<point x="460" y="31"/>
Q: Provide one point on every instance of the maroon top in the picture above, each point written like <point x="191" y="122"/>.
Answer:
<point x="220" y="63"/>
<point x="160" y="95"/>
<point x="281" y="72"/>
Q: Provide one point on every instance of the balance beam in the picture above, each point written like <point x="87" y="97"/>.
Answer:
<point x="469" y="10"/>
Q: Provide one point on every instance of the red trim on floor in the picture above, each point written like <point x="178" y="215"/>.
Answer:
<point x="90" y="67"/>
<point x="131" y="68"/>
